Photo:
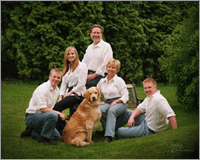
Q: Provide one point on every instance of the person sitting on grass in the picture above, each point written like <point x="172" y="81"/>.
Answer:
<point x="158" y="114"/>
<point x="40" y="117"/>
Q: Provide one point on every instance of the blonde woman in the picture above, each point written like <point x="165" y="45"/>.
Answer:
<point x="73" y="83"/>
<point x="116" y="94"/>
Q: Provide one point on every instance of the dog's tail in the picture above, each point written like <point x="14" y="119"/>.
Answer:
<point x="78" y="142"/>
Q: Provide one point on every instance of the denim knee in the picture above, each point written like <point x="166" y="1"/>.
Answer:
<point x="104" y="107"/>
<point x="118" y="109"/>
<point x="53" y="116"/>
<point x="119" y="132"/>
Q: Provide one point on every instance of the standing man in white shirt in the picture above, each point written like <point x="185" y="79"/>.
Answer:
<point x="158" y="114"/>
<point x="40" y="117"/>
<point x="97" y="56"/>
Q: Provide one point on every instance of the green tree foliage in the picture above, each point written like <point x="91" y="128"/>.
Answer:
<point x="125" y="34"/>
<point x="35" y="34"/>
<point x="181" y="58"/>
<point x="39" y="33"/>
<point x="8" y="53"/>
<point x="159" y="19"/>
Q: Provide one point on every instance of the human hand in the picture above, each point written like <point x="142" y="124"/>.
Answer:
<point x="67" y="117"/>
<point x="102" y="103"/>
<point x="60" y="98"/>
<point x="113" y="103"/>
<point x="62" y="116"/>
<point x="90" y="77"/>
<point x="131" y="122"/>
<point x="68" y="94"/>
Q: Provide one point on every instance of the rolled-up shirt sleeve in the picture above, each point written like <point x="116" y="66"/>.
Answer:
<point x="41" y="99"/>
<point x="85" y="58"/>
<point x="142" y="106"/>
<point x="63" y="86"/>
<point x="81" y="78"/>
<point x="123" y="91"/>
<point x="164" y="108"/>
<point x="99" y="83"/>
<point x="43" y="96"/>
<point x="107" y="54"/>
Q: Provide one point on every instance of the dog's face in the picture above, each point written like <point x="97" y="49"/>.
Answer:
<point x="92" y="94"/>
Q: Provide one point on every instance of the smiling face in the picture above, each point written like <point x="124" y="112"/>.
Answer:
<point x="96" y="35"/>
<point x="113" y="67"/>
<point x="112" y="70"/>
<point x="71" y="55"/>
<point x="149" y="88"/>
<point x="55" y="78"/>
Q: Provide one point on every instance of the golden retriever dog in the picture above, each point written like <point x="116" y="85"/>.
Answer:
<point x="78" y="130"/>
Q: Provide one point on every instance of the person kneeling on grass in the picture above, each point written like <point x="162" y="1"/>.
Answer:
<point x="40" y="117"/>
<point x="155" y="120"/>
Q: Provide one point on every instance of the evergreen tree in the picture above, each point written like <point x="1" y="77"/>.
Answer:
<point x="181" y="59"/>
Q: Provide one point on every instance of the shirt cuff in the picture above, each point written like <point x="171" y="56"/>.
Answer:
<point x="100" y="73"/>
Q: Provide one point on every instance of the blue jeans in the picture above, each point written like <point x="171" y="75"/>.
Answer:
<point x="109" y="116"/>
<point x="43" y="124"/>
<point x="138" y="130"/>
<point x="94" y="81"/>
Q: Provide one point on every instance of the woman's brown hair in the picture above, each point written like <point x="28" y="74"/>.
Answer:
<point x="67" y="63"/>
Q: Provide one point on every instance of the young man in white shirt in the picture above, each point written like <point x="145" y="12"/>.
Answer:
<point x="97" y="56"/>
<point x="155" y="120"/>
<point x="40" y="117"/>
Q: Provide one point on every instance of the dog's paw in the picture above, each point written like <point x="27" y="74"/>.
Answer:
<point x="79" y="143"/>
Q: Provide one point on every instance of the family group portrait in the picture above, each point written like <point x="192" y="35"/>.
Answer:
<point x="99" y="79"/>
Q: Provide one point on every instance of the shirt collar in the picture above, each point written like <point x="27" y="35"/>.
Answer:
<point x="99" y="44"/>
<point x="50" y="86"/>
<point x="113" y="79"/>
<point x="158" y="92"/>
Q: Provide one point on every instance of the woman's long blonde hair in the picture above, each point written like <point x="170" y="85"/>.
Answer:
<point x="67" y="63"/>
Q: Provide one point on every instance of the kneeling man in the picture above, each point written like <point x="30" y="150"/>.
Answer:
<point x="40" y="117"/>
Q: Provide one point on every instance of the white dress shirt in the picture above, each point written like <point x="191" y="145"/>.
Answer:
<point x="157" y="111"/>
<point x="97" y="57"/>
<point x="116" y="88"/>
<point x="77" y="79"/>
<point x="43" y="96"/>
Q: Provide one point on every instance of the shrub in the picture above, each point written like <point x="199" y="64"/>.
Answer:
<point x="181" y="59"/>
<point x="35" y="34"/>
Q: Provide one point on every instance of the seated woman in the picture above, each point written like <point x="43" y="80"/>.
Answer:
<point x="116" y="94"/>
<point x="73" y="84"/>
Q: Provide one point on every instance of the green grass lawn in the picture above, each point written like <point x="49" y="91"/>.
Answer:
<point x="182" y="143"/>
